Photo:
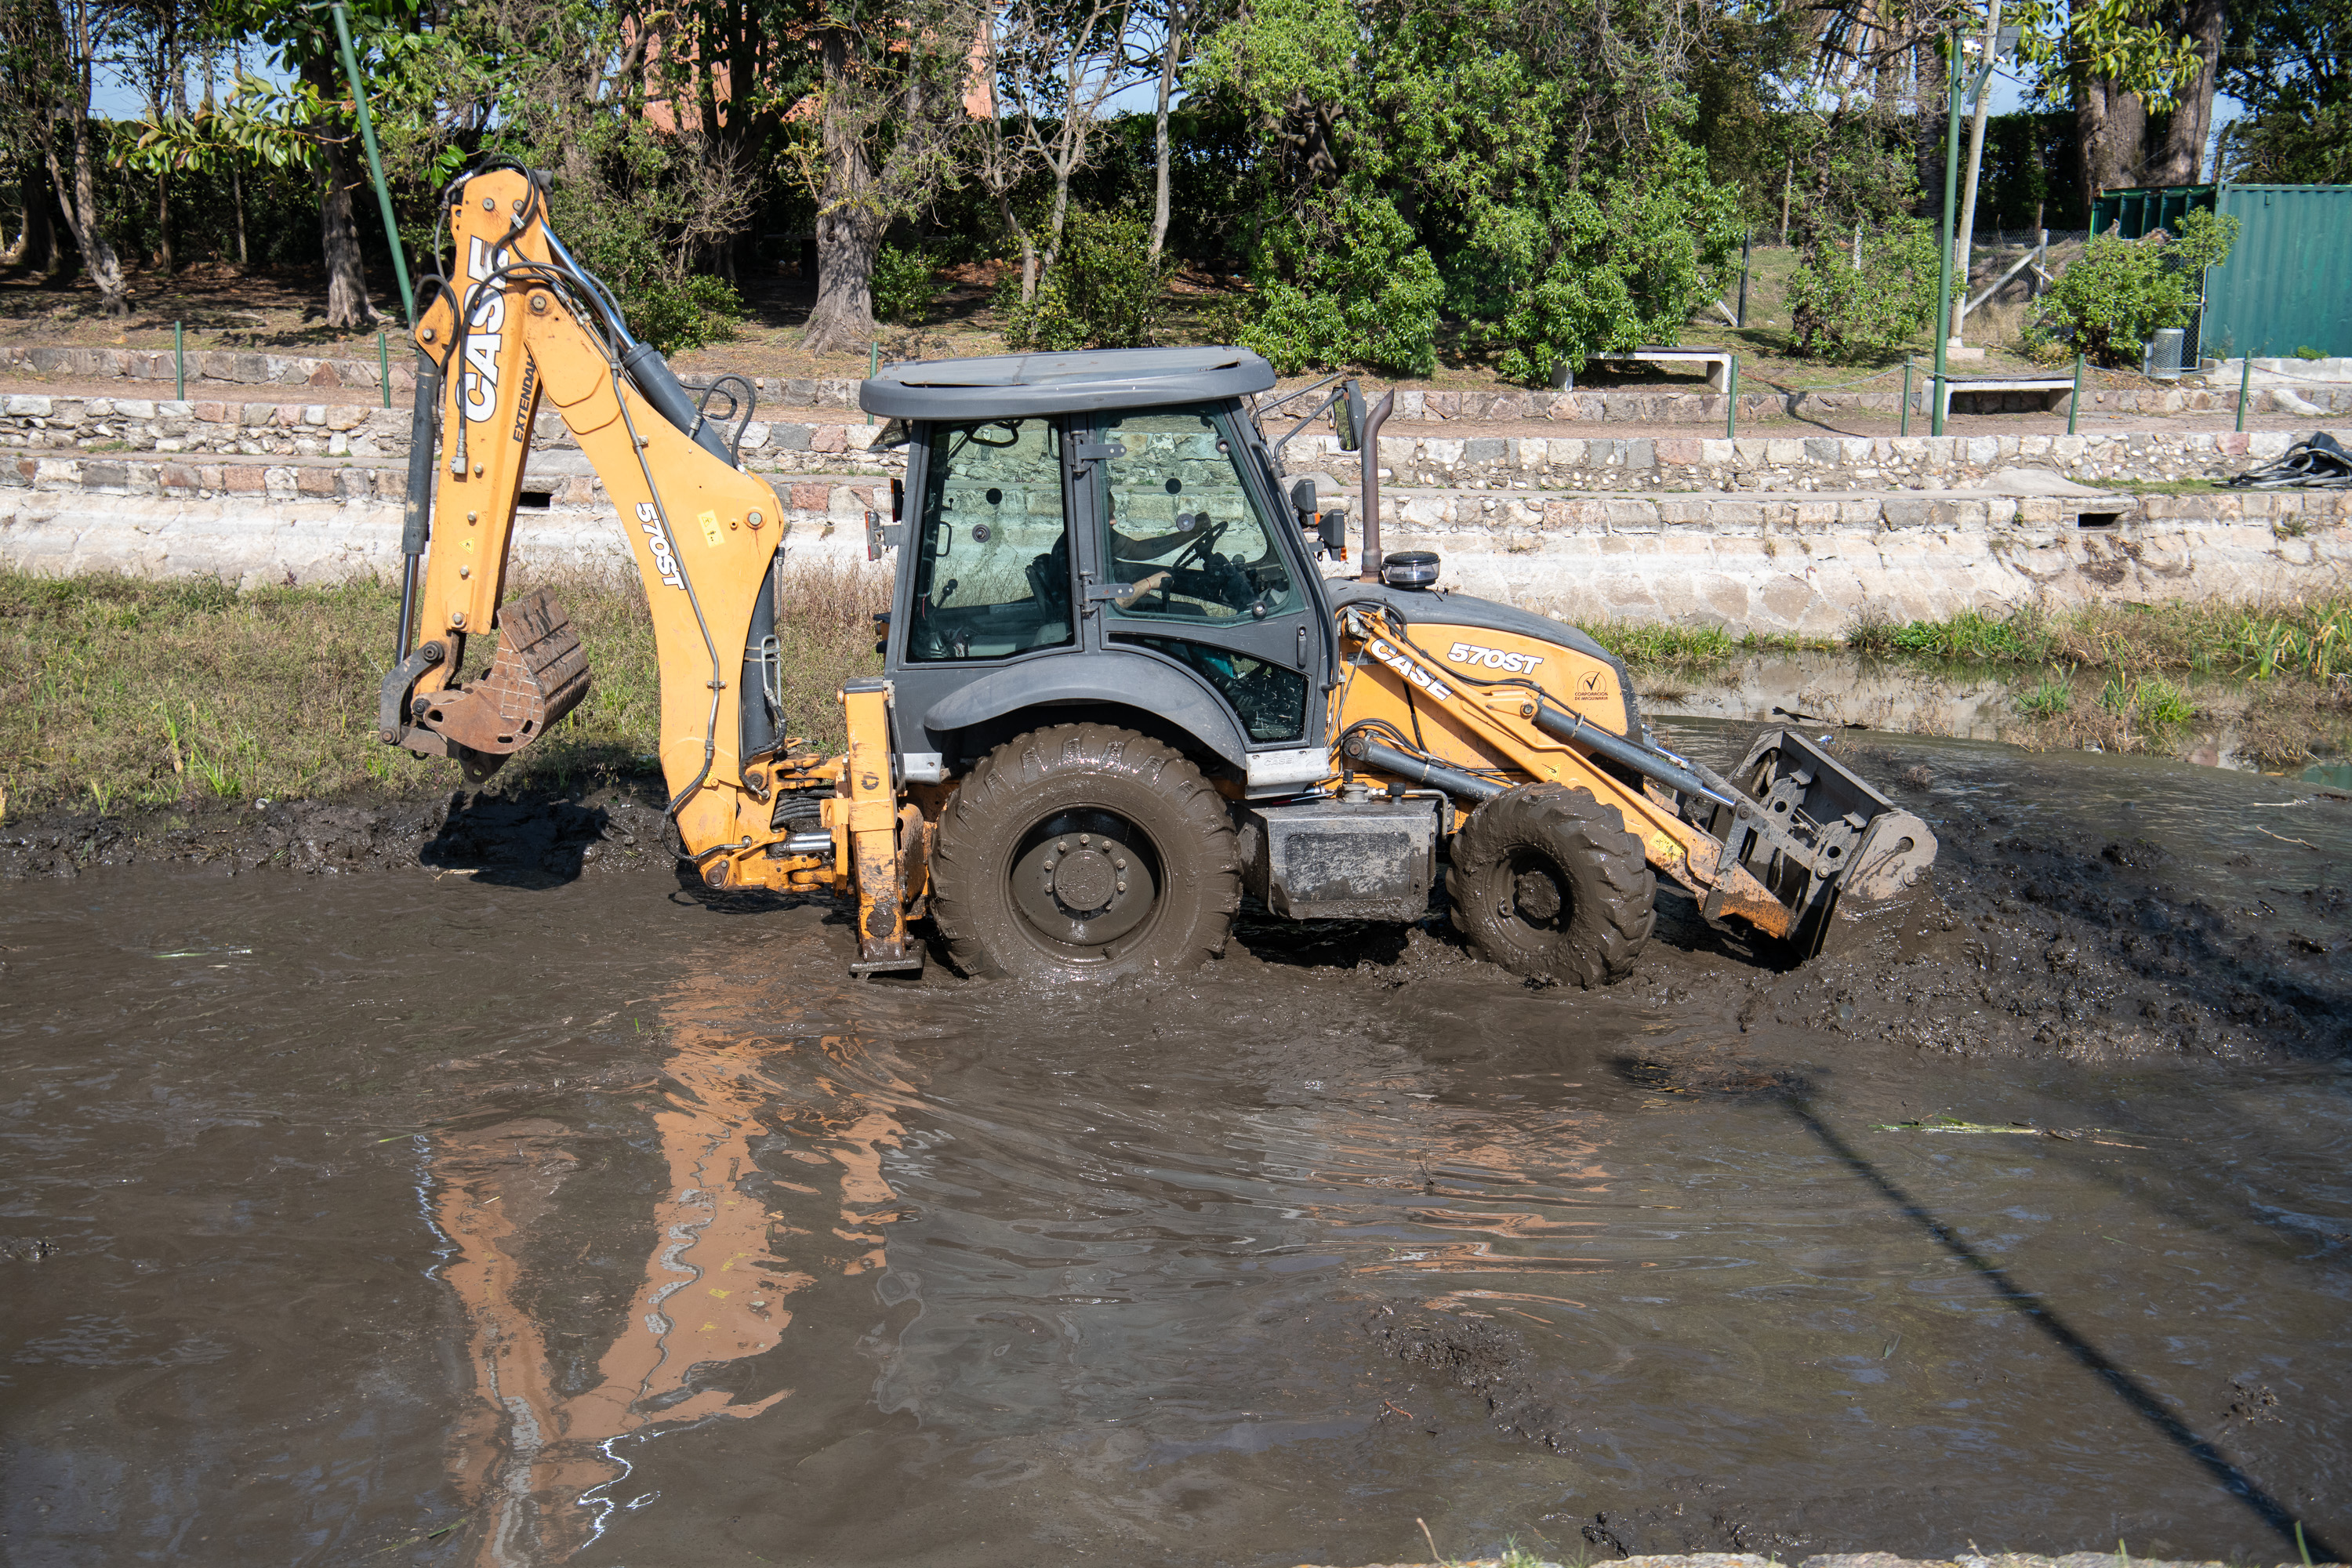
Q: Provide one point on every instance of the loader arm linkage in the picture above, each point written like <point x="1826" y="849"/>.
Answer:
<point x="518" y="324"/>
<point x="1775" y="850"/>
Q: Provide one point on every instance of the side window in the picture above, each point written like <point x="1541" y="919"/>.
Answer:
<point x="1183" y="529"/>
<point x="993" y="549"/>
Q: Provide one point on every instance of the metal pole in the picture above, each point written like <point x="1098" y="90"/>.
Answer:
<point x="1906" y="395"/>
<point x="180" y="367"/>
<point x="2074" y="403"/>
<point x="375" y="165"/>
<point x="384" y="367"/>
<point x="1951" y="195"/>
<point x="1747" y="251"/>
<point x="873" y="368"/>
<point x="1731" y="404"/>
<point x="2245" y="378"/>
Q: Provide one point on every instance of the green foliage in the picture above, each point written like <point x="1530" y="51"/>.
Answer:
<point x="2052" y="695"/>
<point x="1839" y="312"/>
<point x="2308" y="353"/>
<point x="1101" y="292"/>
<point x="1971" y="633"/>
<point x="903" y="285"/>
<point x="2122" y="291"/>
<point x="1625" y="267"/>
<point x="1348" y="286"/>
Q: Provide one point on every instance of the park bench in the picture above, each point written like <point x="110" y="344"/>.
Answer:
<point x="1716" y="362"/>
<point x="2053" y="389"/>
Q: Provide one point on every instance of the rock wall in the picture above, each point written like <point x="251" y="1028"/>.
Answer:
<point x="1809" y="561"/>
<point x="2305" y="384"/>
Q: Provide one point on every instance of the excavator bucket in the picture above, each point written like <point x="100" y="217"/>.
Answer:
<point x="539" y="674"/>
<point x="1816" y="835"/>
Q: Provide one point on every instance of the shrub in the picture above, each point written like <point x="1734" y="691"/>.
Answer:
<point x="2122" y="291"/>
<point x="1839" y="312"/>
<point x="903" y="285"/>
<point x="1102" y="292"/>
<point x="1348" y="286"/>
<point x="1628" y="267"/>
<point x="684" y="312"/>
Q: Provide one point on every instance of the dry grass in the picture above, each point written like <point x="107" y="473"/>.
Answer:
<point x="118" y="692"/>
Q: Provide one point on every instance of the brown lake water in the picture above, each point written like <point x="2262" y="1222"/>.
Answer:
<point x="383" y="1219"/>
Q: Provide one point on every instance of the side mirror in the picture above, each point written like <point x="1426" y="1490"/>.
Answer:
<point x="1302" y="498"/>
<point x="1348" y="416"/>
<point x="1332" y="535"/>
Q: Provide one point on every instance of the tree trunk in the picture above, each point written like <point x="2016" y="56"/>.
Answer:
<point x="236" y="193"/>
<point x="848" y="232"/>
<point x="35" y="248"/>
<point x="97" y="258"/>
<point x="339" y="227"/>
<point x="2111" y="124"/>
<point x="1169" y="55"/>
<point x="2182" y="160"/>
<point x="1965" y="240"/>
<point x="164" y="225"/>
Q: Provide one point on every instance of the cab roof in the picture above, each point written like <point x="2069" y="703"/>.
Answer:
<point x="1004" y="385"/>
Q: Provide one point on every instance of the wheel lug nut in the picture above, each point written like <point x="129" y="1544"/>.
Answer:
<point x="1082" y="839"/>
<point x="1049" y="865"/>
<point x="1122" y="886"/>
<point x="1063" y="847"/>
<point x="1118" y="865"/>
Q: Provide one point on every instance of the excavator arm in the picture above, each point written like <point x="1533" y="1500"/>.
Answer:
<point x="516" y="324"/>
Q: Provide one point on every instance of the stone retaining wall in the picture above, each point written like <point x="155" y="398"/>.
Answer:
<point x="1809" y="561"/>
<point x="96" y="428"/>
<point x="1780" y="463"/>
<point x="1652" y="404"/>
<point x="196" y="428"/>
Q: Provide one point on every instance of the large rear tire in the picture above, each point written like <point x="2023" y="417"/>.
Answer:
<point x="1084" y="849"/>
<point x="1546" y="883"/>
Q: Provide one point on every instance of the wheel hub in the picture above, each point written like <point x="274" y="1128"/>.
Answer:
<point x="1084" y="879"/>
<point x="1080" y="880"/>
<point x="1535" y="896"/>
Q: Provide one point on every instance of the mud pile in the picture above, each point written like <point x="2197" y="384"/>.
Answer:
<point x="529" y="840"/>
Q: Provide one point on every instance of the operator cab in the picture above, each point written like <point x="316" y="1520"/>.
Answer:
<point x="1096" y="531"/>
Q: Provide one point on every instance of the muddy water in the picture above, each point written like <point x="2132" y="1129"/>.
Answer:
<point x="387" y="1218"/>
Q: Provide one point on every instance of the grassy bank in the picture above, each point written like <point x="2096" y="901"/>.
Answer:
<point x="118" y="693"/>
<point x="2166" y="679"/>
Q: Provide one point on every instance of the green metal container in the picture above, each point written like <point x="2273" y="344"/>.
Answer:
<point x="2287" y="284"/>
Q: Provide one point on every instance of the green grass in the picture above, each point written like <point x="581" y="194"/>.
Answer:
<point x="1648" y="645"/>
<point x="2308" y="638"/>
<point x="119" y="692"/>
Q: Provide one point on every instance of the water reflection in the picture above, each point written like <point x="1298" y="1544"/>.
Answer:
<point x="539" y="1457"/>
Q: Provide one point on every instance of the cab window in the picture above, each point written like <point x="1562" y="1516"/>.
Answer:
<point x="992" y="554"/>
<point x="1182" y="535"/>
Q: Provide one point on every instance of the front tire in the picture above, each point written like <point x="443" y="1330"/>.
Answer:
<point x="1546" y="883"/>
<point x="1084" y="849"/>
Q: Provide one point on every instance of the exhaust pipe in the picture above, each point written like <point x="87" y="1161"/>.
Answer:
<point x="1371" y="459"/>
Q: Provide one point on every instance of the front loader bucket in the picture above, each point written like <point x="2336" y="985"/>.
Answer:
<point x="538" y="675"/>
<point x="1813" y="833"/>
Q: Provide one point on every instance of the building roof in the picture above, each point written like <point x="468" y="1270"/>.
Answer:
<point x="1005" y="385"/>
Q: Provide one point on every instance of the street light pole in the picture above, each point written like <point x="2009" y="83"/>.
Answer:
<point x="1935" y="390"/>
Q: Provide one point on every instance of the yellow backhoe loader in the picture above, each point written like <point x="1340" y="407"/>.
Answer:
<point x="1127" y="679"/>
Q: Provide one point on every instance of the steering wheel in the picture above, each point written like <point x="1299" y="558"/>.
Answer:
<point x="1200" y="545"/>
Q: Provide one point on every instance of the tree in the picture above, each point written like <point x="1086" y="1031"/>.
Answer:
<point x="2290" y="63"/>
<point x="890" y="108"/>
<point x="54" y="49"/>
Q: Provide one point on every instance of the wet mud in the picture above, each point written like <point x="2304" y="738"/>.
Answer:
<point x="558" y="1212"/>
